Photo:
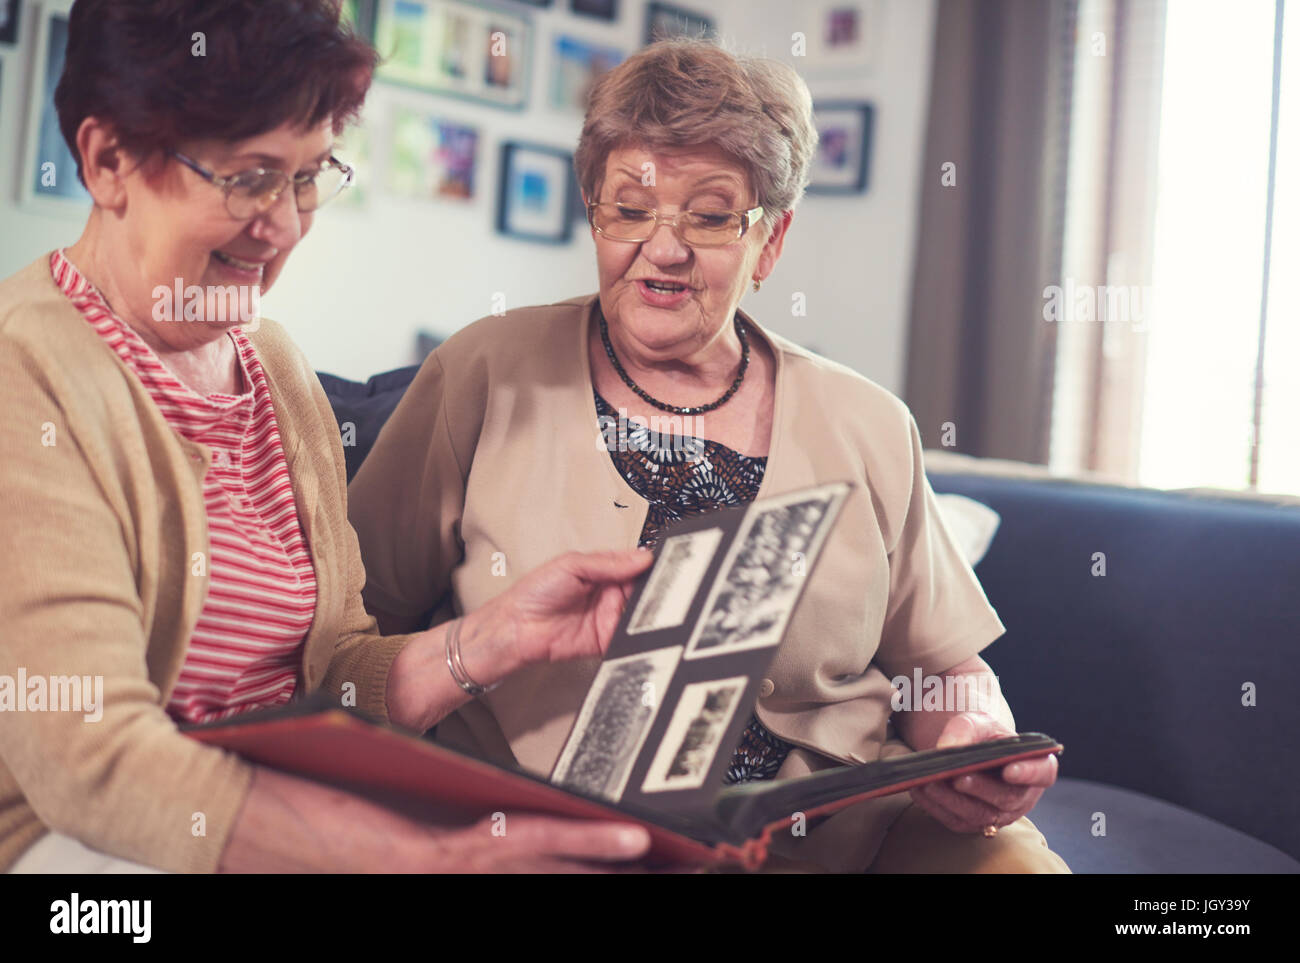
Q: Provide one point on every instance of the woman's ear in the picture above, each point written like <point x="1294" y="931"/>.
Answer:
<point x="773" y="246"/>
<point x="104" y="163"/>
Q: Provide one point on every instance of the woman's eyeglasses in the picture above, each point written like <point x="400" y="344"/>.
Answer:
<point x="253" y="192"/>
<point x="623" y="222"/>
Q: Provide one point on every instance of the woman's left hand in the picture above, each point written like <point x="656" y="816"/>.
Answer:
<point x="977" y="800"/>
<point x="569" y="607"/>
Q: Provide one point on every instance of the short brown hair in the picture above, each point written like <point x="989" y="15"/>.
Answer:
<point x="133" y="63"/>
<point x="693" y="93"/>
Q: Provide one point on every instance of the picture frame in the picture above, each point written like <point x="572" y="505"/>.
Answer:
<point x="480" y="52"/>
<point x="596" y="9"/>
<point x="842" y="36"/>
<point x="49" y="171"/>
<point x="10" y="13"/>
<point x="361" y="15"/>
<point x="533" y="198"/>
<point x="576" y="65"/>
<point x="666" y="21"/>
<point x="843" y="159"/>
<point x="431" y="157"/>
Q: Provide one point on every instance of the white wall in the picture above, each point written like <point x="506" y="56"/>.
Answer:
<point x="365" y="280"/>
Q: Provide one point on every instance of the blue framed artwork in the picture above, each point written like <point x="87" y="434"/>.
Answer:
<point x="576" y="66"/>
<point x="49" y="169"/>
<point x="534" y="200"/>
<point x="843" y="159"/>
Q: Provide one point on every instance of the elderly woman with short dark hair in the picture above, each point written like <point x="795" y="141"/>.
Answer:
<point x="172" y="488"/>
<point x="691" y="164"/>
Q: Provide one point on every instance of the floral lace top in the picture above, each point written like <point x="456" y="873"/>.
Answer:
<point x="681" y="475"/>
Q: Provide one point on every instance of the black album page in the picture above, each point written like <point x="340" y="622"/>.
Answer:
<point x="680" y="679"/>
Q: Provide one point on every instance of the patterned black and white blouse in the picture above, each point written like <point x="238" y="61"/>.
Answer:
<point x="681" y="476"/>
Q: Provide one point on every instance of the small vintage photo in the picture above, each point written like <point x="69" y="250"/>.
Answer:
<point x="615" y="719"/>
<point x="759" y="583"/>
<point x="691" y="743"/>
<point x="674" y="581"/>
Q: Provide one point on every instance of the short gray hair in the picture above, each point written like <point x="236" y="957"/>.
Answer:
<point x="692" y="93"/>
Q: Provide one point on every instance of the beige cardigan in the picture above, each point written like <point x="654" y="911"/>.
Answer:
<point x="494" y="462"/>
<point x="99" y="530"/>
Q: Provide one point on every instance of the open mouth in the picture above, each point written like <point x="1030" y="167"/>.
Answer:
<point x="665" y="287"/>
<point x="236" y="263"/>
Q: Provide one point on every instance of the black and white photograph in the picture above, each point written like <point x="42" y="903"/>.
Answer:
<point x="690" y="745"/>
<point x="614" y="722"/>
<point x="759" y="584"/>
<point x="674" y="581"/>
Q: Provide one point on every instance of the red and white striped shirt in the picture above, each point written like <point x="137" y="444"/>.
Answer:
<point x="246" y="647"/>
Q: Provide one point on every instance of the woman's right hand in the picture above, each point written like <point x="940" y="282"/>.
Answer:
<point x="292" y="825"/>
<point x="569" y="607"/>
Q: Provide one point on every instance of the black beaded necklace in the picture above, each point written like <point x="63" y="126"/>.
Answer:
<point x="675" y="409"/>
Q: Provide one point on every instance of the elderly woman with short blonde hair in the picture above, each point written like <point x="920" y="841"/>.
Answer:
<point x="532" y="432"/>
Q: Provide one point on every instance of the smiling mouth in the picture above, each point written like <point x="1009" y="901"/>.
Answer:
<point x="664" y="287"/>
<point x="236" y="263"/>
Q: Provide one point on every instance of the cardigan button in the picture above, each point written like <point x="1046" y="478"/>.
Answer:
<point x="766" y="688"/>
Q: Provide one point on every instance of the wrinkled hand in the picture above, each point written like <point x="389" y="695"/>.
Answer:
<point x="535" y="844"/>
<point x="569" y="607"/>
<point x="993" y="797"/>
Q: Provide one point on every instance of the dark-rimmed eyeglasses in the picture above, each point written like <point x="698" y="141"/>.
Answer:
<point x="627" y="222"/>
<point x="253" y="192"/>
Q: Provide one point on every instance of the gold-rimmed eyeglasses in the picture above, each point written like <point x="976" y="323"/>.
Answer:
<point x="253" y="192"/>
<point x="627" y="222"/>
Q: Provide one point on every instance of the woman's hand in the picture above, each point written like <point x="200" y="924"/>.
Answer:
<point x="293" y="825"/>
<point x="569" y="607"/>
<point x="565" y="609"/>
<point x="977" y="800"/>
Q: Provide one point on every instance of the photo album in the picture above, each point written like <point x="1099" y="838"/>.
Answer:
<point x="654" y="737"/>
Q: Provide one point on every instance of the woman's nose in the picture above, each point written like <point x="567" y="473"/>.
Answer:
<point x="282" y="224"/>
<point x="665" y="247"/>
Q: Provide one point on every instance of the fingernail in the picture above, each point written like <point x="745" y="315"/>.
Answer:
<point x="1013" y="771"/>
<point x="632" y="839"/>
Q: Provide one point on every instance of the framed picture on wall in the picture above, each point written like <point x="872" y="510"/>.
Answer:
<point x="576" y="66"/>
<point x="9" y="20"/>
<point x="600" y="9"/>
<point x="843" y="157"/>
<point x="664" y="21"/>
<point x="477" y="51"/>
<point x="534" y="200"/>
<point x="49" y="178"/>
<point x="361" y="15"/>
<point x="841" y="35"/>
<point x="431" y="157"/>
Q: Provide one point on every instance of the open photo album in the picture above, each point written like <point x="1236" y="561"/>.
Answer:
<point x="654" y="736"/>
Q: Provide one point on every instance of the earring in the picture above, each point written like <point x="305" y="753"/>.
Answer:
<point x="757" y="282"/>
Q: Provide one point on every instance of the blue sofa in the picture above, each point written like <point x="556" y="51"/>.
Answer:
<point x="1139" y="672"/>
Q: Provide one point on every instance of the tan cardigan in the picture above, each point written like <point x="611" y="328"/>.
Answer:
<point x="99" y="530"/>
<point x="494" y="462"/>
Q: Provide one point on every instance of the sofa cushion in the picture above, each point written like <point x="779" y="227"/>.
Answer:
<point x="364" y="407"/>
<point x="1144" y="835"/>
<point x="1142" y="673"/>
